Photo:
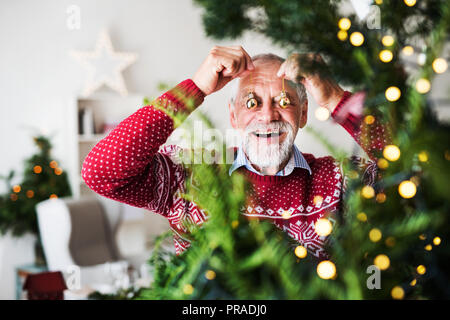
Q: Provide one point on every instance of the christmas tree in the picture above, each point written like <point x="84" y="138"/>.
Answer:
<point x="42" y="179"/>
<point x="396" y="227"/>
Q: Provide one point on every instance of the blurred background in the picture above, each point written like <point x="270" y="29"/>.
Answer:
<point x="43" y="93"/>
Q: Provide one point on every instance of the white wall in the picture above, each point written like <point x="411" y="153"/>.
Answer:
<point x="38" y="78"/>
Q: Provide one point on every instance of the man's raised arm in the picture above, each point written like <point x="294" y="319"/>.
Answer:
<point x="126" y="165"/>
<point x="345" y="108"/>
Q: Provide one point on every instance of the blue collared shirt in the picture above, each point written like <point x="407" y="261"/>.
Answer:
<point x="297" y="160"/>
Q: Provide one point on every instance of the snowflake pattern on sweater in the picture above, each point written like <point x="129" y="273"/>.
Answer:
<point x="132" y="166"/>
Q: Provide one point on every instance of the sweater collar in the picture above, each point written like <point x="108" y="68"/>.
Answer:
<point x="297" y="160"/>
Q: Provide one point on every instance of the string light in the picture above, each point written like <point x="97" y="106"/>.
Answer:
<point x="436" y="241"/>
<point x="421" y="269"/>
<point x="381" y="197"/>
<point x="323" y="227"/>
<point x="423" y="156"/>
<point x="188" y="289"/>
<point x="53" y="164"/>
<point x="301" y="252"/>
<point x="318" y="200"/>
<point x="13" y="196"/>
<point x="378" y="1"/>
<point x="428" y="247"/>
<point x="423" y="85"/>
<point x="375" y="235"/>
<point x="326" y="269"/>
<point x="390" y="241"/>
<point x="393" y="93"/>
<point x="410" y="3"/>
<point x="58" y="171"/>
<point x="421" y="58"/>
<point x="352" y="174"/>
<point x="422" y="237"/>
<point x="387" y="41"/>
<point x="391" y="152"/>
<point x="286" y="214"/>
<point x="440" y="65"/>
<point x="407" y="189"/>
<point x="413" y="282"/>
<point x="361" y="217"/>
<point x="369" y="119"/>
<point x="322" y="113"/>
<point x="37" y="169"/>
<point x="356" y="39"/>
<point x="382" y="163"/>
<point x="53" y="196"/>
<point x="367" y="192"/>
<point x="30" y="193"/>
<point x="382" y="261"/>
<point x="234" y="224"/>
<point x="342" y="35"/>
<point x="386" y="56"/>
<point x="397" y="293"/>
<point x="210" y="274"/>
<point x="408" y="50"/>
<point x="415" y="180"/>
<point x="17" y="188"/>
<point x="344" y="24"/>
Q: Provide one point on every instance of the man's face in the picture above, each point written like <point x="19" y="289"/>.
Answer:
<point x="268" y="130"/>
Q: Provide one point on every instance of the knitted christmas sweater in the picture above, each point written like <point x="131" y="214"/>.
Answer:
<point x="132" y="166"/>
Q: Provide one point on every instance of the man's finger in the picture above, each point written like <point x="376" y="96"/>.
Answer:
<point x="241" y="51"/>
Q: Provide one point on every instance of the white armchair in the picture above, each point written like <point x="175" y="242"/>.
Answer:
<point x="89" y="232"/>
<point x="79" y="231"/>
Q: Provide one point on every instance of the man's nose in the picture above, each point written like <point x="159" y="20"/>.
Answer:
<point x="268" y="112"/>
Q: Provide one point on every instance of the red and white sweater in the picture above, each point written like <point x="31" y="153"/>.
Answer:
<point x="132" y="166"/>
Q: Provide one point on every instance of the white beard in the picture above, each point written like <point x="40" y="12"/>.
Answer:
<point x="268" y="155"/>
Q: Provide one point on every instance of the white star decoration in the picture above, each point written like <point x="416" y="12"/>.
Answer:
<point x="104" y="66"/>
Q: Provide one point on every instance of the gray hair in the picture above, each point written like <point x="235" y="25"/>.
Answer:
<point x="267" y="57"/>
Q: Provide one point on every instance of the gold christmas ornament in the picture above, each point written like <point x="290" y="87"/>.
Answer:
<point x="251" y="101"/>
<point x="284" y="100"/>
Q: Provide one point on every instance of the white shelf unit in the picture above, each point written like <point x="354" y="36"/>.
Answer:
<point x="106" y="108"/>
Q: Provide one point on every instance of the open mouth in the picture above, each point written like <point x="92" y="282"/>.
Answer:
<point x="267" y="134"/>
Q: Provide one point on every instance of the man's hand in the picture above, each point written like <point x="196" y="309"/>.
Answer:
<point x="325" y="91"/>
<point x="222" y="65"/>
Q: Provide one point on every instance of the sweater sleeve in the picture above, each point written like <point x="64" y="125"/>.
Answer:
<point x="372" y="135"/>
<point x="127" y="166"/>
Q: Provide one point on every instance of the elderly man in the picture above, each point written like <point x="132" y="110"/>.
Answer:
<point x="291" y="189"/>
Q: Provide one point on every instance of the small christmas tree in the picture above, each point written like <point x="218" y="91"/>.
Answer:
<point x="43" y="179"/>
